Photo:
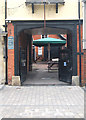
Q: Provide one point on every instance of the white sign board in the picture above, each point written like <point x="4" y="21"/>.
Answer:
<point x="39" y="51"/>
<point x="84" y="44"/>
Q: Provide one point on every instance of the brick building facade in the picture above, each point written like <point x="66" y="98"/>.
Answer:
<point x="21" y="27"/>
<point x="24" y="43"/>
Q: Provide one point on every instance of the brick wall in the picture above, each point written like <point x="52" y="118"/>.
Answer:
<point x="53" y="36"/>
<point x="10" y="55"/>
<point x="23" y="43"/>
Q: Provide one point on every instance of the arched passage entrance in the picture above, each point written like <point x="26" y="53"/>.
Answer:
<point x="29" y="28"/>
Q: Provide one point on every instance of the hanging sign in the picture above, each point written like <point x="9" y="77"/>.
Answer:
<point x="11" y="42"/>
<point x="39" y="51"/>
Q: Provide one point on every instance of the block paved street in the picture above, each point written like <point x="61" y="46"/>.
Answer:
<point x="35" y="100"/>
<point x="41" y="102"/>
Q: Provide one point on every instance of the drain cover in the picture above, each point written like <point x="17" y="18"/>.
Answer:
<point x="45" y="78"/>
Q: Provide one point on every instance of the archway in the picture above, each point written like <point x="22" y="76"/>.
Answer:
<point x="29" y="28"/>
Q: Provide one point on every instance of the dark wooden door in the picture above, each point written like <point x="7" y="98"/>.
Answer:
<point x="23" y="64"/>
<point x="65" y="65"/>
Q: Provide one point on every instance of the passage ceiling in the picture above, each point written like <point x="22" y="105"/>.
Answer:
<point x="46" y="31"/>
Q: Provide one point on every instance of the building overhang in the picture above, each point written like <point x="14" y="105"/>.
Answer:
<point x="44" y="1"/>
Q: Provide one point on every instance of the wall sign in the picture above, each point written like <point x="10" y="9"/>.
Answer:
<point x="11" y="42"/>
<point x="65" y="64"/>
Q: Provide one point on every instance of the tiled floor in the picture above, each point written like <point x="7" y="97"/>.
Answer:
<point x="42" y="101"/>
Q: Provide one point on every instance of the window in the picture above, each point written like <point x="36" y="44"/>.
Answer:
<point x="44" y="36"/>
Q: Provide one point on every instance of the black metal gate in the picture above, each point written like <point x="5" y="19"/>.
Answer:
<point x="65" y="65"/>
<point x="23" y="64"/>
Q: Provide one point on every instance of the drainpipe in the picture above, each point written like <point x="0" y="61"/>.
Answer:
<point x="79" y="43"/>
<point x="6" y="57"/>
<point x="44" y="16"/>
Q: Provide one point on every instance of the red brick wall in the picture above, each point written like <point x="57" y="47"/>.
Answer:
<point x="23" y="43"/>
<point x="10" y="55"/>
<point x="53" y="36"/>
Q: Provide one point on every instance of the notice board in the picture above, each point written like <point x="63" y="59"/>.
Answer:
<point x="11" y="42"/>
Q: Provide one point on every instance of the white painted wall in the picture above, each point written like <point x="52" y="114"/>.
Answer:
<point x="84" y="25"/>
<point x="17" y="10"/>
<point x="2" y="13"/>
<point x="2" y="63"/>
<point x="2" y="22"/>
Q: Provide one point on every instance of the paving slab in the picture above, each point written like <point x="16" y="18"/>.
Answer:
<point x="42" y="102"/>
<point x="2" y="86"/>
